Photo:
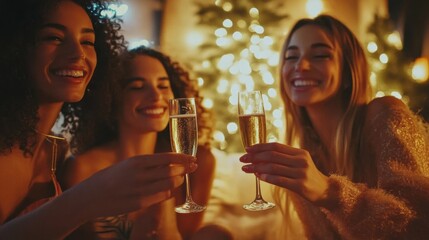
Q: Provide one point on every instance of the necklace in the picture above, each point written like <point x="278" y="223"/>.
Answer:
<point x="54" y="152"/>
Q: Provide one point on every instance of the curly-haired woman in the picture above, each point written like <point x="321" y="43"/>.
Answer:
<point x="53" y="52"/>
<point x="139" y="126"/>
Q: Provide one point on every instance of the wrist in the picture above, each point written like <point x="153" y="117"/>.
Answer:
<point x="326" y="199"/>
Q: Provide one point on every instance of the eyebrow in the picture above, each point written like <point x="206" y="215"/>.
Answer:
<point x="132" y="79"/>
<point x="63" y="28"/>
<point x="314" y="45"/>
<point x="164" y="79"/>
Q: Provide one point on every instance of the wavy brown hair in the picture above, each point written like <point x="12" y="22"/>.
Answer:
<point x="103" y="130"/>
<point x="18" y="109"/>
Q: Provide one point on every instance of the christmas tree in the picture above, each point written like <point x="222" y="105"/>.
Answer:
<point x="241" y="52"/>
<point x="391" y="69"/>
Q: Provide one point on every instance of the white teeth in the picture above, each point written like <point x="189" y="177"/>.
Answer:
<point x="154" y="111"/>
<point x="305" y="83"/>
<point x="69" y="73"/>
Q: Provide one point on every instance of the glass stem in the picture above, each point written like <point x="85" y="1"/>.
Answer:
<point x="188" y="189"/>
<point x="258" y="189"/>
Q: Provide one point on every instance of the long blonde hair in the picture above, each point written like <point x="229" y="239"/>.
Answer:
<point x="356" y="93"/>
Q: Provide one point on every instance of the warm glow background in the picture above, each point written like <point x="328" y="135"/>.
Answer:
<point x="172" y="26"/>
<point x="179" y="34"/>
<point x="179" y="29"/>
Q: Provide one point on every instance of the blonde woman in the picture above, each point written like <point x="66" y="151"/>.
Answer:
<point x="352" y="167"/>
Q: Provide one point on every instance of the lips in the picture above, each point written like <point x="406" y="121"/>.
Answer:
<point x="305" y="83"/>
<point x="70" y="73"/>
<point x="152" y="111"/>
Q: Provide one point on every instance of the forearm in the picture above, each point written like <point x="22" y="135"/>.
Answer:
<point x="53" y="220"/>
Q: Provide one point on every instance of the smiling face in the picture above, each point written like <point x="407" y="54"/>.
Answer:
<point x="63" y="59"/>
<point x="146" y="95"/>
<point x="311" y="69"/>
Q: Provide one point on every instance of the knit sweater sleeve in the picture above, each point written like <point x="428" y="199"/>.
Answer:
<point x="397" y="207"/>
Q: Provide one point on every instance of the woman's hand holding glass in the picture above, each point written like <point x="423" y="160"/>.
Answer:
<point x="287" y="167"/>
<point x="135" y="183"/>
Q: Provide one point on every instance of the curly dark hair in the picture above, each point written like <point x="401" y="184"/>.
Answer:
<point x="182" y="86"/>
<point x="18" y="110"/>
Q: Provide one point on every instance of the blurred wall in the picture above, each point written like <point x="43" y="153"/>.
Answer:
<point x="142" y="20"/>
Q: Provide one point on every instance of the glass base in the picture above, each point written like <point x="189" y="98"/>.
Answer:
<point x="258" y="205"/>
<point x="189" y="207"/>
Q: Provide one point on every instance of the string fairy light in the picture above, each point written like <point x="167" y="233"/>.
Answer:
<point x="245" y="57"/>
<point x="314" y="8"/>
<point x="420" y="72"/>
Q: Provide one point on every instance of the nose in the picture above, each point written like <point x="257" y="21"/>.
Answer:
<point x="154" y="93"/>
<point x="76" y="50"/>
<point x="302" y="64"/>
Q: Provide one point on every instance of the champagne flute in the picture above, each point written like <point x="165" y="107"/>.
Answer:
<point x="184" y="139"/>
<point x="251" y="116"/>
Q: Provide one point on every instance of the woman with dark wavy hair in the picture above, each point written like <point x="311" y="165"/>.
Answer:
<point x="139" y="126"/>
<point x="53" y="52"/>
<point x="352" y="167"/>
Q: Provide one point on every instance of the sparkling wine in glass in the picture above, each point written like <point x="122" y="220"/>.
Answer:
<point x="184" y="139"/>
<point x="251" y="117"/>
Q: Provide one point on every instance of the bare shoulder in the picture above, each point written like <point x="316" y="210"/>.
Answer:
<point x="15" y="177"/>
<point x="15" y="165"/>
<point x="81" y="166"/>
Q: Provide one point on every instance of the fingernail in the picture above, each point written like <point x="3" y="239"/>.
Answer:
<point x="247" y="168"/>
<point x="244" y="159"/>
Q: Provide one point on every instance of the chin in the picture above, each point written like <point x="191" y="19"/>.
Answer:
<point x="154" y="126"/>
<point x="74" y="98"/>
<point x="160" y="129"/>
<point x="304" y="101"/>
<point x="301" y="102"/>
